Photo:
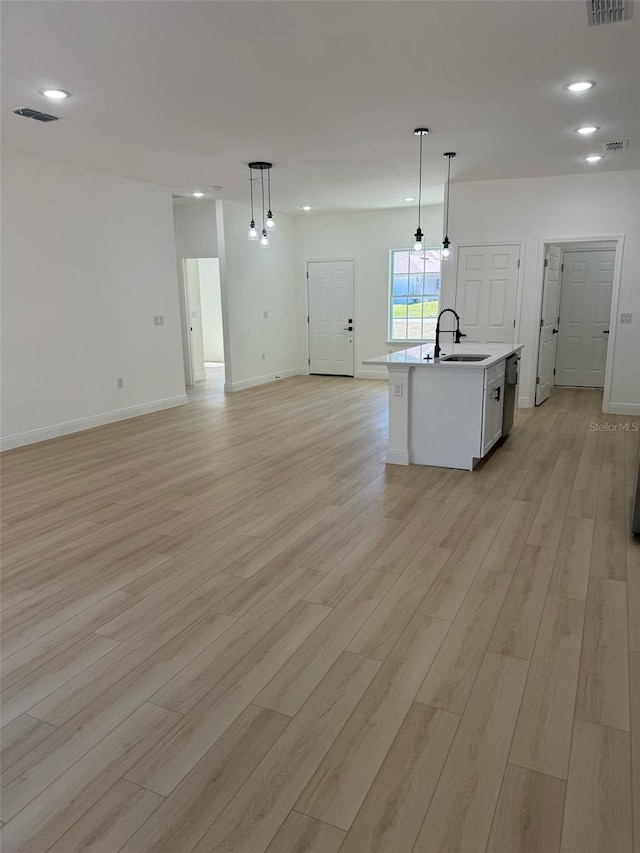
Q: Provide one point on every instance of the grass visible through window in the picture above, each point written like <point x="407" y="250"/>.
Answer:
<point x="416" y="309"/>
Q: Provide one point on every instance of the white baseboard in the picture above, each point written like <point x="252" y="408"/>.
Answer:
<point x="20" y="439"/>
<point x="397" y="457"/>
<point x="265" y="379"/>
<point x="372" y="374"/>
<point x="524" y="403"/>
<point x="623" y="409"/>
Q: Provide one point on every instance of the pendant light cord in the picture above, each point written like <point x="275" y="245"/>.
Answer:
<point x="262" y="182"/>
<point x="269" y="186"/>
<point x="251" y="190"/>
<point x="446" y="223"/>
<point x="420" y="183"/>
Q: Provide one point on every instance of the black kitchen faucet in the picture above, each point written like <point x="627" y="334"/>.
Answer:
<point x="456" y="332"/>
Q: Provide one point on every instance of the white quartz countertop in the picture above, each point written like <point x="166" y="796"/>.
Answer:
<point x="416" y="356"/>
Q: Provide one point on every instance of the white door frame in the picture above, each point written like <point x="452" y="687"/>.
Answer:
<point x="332" y="260"/>
<point x="519" y="286"/>
<point x="618" y="239"/>
<point x="184" y="323"/>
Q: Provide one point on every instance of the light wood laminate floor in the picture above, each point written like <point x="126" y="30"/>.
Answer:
<point x="231" y="627"/>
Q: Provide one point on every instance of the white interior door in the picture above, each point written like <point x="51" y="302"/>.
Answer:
<point x="331" y="317"/>
<point x="585" y="310"/>
<point x="211" y="309"/>
<point x="486" y="291"/>
<point x="548" y="323"/>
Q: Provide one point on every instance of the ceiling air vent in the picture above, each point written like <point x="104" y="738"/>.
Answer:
<point x="608" y="11"/>
<point x="618" y="145"/>
<point x="27" y="112"/>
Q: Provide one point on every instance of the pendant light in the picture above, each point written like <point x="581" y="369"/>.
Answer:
<point x="264" y="240"/>
<point x="262" y="167"/>
<point x="271" y="223"/>
<point x="253" y="231"/>
<point x="421" y="132"/>
<point x="446" y="242"/>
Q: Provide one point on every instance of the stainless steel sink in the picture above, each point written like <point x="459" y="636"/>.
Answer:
<point x="465" y="357"/>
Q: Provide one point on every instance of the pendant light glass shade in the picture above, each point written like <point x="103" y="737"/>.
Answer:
<point x="446" y="251"/>
<point x="264" y="239"/>
<point x="271" y="223"/>
<point x="417" y="246"/>
<point x="253" y="231"/>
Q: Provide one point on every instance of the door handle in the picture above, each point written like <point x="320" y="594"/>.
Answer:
<point x="497" y="394"/>
<point x="348" y="329"/>
<point x="555" y="332"/>
<point x="606" y="332"/>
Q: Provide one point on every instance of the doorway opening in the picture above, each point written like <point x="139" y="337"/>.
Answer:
<point x="204" y="350"/>
<point x="577" y="315"/>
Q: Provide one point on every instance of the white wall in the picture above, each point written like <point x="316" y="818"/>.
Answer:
<point x="211" y="305"/>
<point x="255" y="281"/>
<point x="367" y="237"/>
<point x="88" y="260"/>
<point x="195" y="228"/>
<point x="538" y="210"/>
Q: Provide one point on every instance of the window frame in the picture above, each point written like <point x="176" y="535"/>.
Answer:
<point x="391" y="296"/>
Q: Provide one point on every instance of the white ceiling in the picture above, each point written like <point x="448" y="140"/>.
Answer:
<point x="183" y="94"/>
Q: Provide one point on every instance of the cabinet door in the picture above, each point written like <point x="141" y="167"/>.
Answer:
<point x="498" y="408"/>
<point x="487" y="419"/>
<point x="492" y="414"/>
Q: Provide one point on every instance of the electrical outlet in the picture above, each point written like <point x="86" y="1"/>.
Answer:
<point x="158" y="320"/>
<point x="626" y="317"/>
<point x="120" y="382"/>
<point x="397" y="389"/>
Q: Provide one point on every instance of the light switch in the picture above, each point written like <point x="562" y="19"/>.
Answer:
<point x="397" y="389"/>
<point x="626" y="317"/>
<point x="158" y="320"/>
<point x="265" y="315"/>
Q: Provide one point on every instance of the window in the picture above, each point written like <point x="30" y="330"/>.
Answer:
<point x="414" y="294"/>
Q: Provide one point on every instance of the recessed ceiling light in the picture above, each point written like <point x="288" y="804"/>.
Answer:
<point x="588" y="130"/>
<point x="306" y="207"/>
<point x="593" y="158"/>
<point x="55" y="94"/>
<point x="580" y="86"/>
<point x="197" y="194"/>
<point x="408" y="198"/>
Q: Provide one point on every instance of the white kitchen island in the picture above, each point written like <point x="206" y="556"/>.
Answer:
<point x="446" y="412"/>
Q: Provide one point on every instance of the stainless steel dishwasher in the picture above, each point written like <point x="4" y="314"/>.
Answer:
<point x="511" y="373"/>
